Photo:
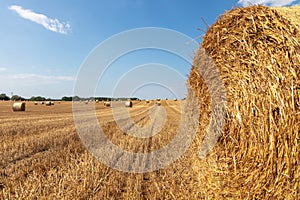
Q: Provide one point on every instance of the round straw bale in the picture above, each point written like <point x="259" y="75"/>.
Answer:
<point x="128" y="104"/>
<point x="256" y="51"/>
<point x="52" y="103"/>
<point x="41" y="102"/>
<point x="107" y="103"/>
<point x="48" y="103"/>
<point x="147" y="101"/>
<point x="158" y="103"/>
<point x="19" y="106"/>
<point x="35" y="103"/>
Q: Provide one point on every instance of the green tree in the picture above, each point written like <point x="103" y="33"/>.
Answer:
<point x="17" y="98"/>
<point x="76" y="98"/>
<point x="66" y="98"/>
<point x="4" y="97"/>
<point x="38" y="98"/>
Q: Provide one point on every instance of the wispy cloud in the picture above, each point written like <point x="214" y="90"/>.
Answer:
<point x="51" y="24"/>
<point x="35" y="77"/>
<point x="2" y="69"/>
<point x="31" y="84"/>
<point x="275" y="3"/>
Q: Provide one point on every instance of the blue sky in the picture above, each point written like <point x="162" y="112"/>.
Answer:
<point x="44" y="43"/>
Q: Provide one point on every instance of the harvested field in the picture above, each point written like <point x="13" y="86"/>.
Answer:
<point x="43" y="157"/>
<point x="255" y="156"/>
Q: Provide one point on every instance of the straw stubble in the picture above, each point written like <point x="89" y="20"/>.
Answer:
<point x="256" y="51"/>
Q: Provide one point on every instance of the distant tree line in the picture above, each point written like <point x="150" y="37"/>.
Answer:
<point x="4" y="97"/>
<point x="77" y="98"/>
<point x="38" y="98"/>
<point x="17" y="98"/>
<point x="65" y="98"/>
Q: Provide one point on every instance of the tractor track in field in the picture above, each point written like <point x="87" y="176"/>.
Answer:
<point x="174" y="106"/>
<point x="141" y="117"/>
<point x="137" y="162"/>
<point x="145" y="179"/>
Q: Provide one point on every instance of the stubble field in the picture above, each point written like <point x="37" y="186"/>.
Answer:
<point x="42" y="156"/>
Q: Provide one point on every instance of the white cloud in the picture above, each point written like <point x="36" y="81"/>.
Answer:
<point x="37" y="77"/>
<point x="51" y="24"/>
<point x="276" y="3"/>
<point x="2" y="69"/>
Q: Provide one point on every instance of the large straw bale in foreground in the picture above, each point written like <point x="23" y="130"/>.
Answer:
<point x="290" y="13"/>
<point x="256" y="50"/>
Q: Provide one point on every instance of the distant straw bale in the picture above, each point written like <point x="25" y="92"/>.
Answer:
<point x="128" y="104"/>
<point x="19" y="106"/>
